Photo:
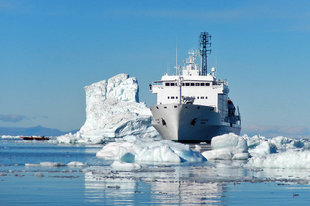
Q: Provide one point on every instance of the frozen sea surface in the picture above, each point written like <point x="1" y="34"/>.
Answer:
<point x="40" y="173"/>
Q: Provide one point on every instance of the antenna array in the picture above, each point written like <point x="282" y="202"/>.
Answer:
<point x="205" y="46"/>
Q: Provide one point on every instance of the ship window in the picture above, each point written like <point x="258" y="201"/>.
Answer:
<point x="206" y="97"/>
<point x="165" y="107"/>
<point x="168" y="97"/>
<point x="175" y="106"/>
<point x="176" y="97"/>
<point x="167" y="84"/>
<point x="197" y="97"/>
<point x="198" y="107"/>
<point x="172" y="84"/>
<point x="157" y="108"/>
<point x="212" y="109"/>
<point x="202" y="97"/>
<point x="172" y="97"/>
<point x="192" y="84"/>
<point x="186" y="84"/>
<point x="207" y="84"/>
<point x="197" y="84"/>
<point x="202" y="84"/>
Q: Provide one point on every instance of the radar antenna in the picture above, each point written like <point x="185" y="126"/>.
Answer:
<point x="205" y="46"/>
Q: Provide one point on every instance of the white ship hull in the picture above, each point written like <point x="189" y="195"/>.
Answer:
<point x="190" y="123"/>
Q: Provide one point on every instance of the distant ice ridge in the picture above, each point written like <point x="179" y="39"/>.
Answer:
<point x="56" y="164"/>
<point x="132" y="151"/>
<point x="112" y="111"/>
<point x="261" y="152"/>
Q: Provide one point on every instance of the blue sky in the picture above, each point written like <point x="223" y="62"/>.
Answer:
<point x="49" y="50"/>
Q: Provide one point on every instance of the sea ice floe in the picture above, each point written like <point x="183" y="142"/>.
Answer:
<point x="261" y="152"/>
<point x="56" y="164"/>
<point x="76" y="164"/>
<point x="296" y="159"/>
<point x="140" y="150"/>
<point x="45" y="164"/>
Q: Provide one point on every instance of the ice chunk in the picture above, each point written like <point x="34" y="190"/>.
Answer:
<point x="149" y="151"/>
<point x="46" y="164"/>
<point x="124" y="166"/>
<point x="115" y="150"/>
<point x="227" y="147"/>
<point x="263" y="149"/>
<point x="288" y="159"/>
<point x="76" y="164"/>
<point x="112" y="110"/>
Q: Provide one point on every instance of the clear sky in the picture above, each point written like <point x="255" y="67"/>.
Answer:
<point x="49" y="50"/>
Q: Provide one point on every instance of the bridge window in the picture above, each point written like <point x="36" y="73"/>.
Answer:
<point x="168" y="97"/>
<point x="186" y="84"/>
<point x="197" y="84"/>
<point x="192" y="84"/>
<point x="172" y="84"/>
<point x="172" y="97"/>
<point x="202" y="84"/>
<point x="167" y="84"/>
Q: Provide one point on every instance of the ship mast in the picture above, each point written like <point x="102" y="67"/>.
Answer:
<point x="205" y="46"/>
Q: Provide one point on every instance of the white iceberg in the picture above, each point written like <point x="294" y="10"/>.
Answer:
<point x="113" y="111"/>
<point x="227" y="147"/>
<point x="139" y="150"/>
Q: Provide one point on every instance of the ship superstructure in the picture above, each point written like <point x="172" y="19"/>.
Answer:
<point x="193" y="105"/>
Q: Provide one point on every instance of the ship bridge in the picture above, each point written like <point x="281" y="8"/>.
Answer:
<point x="190" y="87"/>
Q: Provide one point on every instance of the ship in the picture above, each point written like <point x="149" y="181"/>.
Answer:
<point x="192" y="104"/>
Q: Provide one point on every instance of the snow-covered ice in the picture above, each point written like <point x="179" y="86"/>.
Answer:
<point x="139" y="150"/>
<point x="113" y="111"/>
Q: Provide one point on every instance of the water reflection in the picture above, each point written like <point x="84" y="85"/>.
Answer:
<point x="206" y="183"/>
<point x="152" y="185"/>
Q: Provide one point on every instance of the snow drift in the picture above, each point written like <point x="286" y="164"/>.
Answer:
<point x="113" y="110"/>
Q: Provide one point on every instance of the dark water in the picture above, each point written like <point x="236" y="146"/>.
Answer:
<point x="209" y="183"/>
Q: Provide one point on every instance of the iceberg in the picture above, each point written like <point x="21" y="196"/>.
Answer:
<point x="140" y="150"/>
<point x="113" y="111"/>
<point x="227" y="147"/>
